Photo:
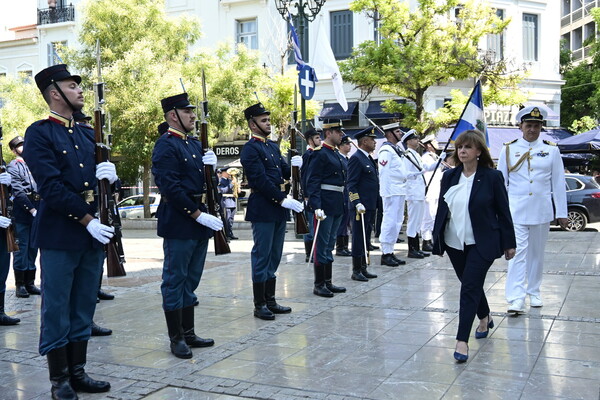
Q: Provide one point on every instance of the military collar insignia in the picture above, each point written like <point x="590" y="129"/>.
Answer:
<point x="259" y="138"/>
<point x="328" y="146"/>
<point x="177" y="133"/>
<point x="59" y="119"/>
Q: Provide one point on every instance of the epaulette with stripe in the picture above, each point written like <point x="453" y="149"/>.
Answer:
<point x="511" y="142"/>
<point x="549" y="143"/>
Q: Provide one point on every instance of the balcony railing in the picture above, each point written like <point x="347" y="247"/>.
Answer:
<point x="55" y="15"/>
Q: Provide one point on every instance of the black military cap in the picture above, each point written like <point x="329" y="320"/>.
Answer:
<point x="311" y="133"/>
<point x="332" y="123"/>
<point x="177" y="101"/>
<point x="370" y="132"/>
<point x="345" y="139"/>
<point x="255" y="110"/>
<point x="15" y="142"/>
<point x="52" y="74"/>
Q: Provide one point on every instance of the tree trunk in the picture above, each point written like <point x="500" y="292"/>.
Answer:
<point x="146" y="188"/>
<point x="419" y="104"/>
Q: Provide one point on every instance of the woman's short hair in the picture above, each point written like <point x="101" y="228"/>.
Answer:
<point x="476" y="139"/>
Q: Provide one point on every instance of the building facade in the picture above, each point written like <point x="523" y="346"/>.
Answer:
<point x="29" y="45"/>
<point x="578" y="28"/>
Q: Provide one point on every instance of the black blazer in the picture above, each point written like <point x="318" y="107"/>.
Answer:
<point x="488" y="208"/>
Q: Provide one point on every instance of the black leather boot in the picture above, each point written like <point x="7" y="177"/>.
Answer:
<point x="20" y="290"/>
<point x="418" y="246"/>
<point x="320" y="289"/>
<point x="332" y="288"/>
<point x="413" y="249"/>
<point x="340" y="247"/>
<point x="399" y="261"/>
<point x="272" y="305"/>
<point x="97" y="330"/>
<point x="428" y="245"/>
<point x="80" y="381"/>
<point x="364" y="271"/>
<point x="357" y="274"/>
<point x="5" y="319"/>
<point x="58" y="367"/>
<point x="260" y="303"/>
<point x="307" y="249"/>
<point x="30" y="282"/>
<point x="178" y="346"/>
<point x="187" y="324"/>
<point x="389" y="260"/>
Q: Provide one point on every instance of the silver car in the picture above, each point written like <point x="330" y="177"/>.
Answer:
<point x="133" y="207"/>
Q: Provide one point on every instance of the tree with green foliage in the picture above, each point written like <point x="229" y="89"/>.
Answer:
<point x="426" y="46"/>
<point x="22" y="105"/>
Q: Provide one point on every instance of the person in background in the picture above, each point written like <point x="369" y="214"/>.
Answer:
<point x="228" y="202"/>
<point x="341" y="244"/>
<point x="313" y="140"/>
<point x="474" y="226"/>
<point x="431" y="160"/>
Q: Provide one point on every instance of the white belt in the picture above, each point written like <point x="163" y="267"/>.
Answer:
<point x="333" y="188"/>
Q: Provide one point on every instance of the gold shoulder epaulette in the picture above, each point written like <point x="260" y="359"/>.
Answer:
<point x="511" y="142"/>
<point x="549" y="143"/>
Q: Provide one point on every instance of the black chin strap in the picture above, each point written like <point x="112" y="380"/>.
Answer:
<point x="259" y="128"/>
<point x="77" y="114"/>
<point x="180" y="121"/>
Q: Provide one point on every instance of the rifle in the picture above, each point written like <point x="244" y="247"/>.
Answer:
<point x="6" y="207"/>
<point x="107" y="208"/>
<point x="300" y="223"/>
<point x="214" y="208"/>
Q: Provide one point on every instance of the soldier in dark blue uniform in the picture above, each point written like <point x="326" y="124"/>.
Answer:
<point x="5" y="222"/>
<point x="325" y="189"/>
<point x="25" y="204"/>
<point x="363" y="188"/>
<point x="60" y="155"/>
<point x="228" y="201"/>
<point x="313" y="139"/>
<point x="268" y="208"/>
<point x="341" y="243"/>
<point x="183" y="221"/>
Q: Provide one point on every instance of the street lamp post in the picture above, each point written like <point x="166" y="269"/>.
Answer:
<point x="306" y="11"/>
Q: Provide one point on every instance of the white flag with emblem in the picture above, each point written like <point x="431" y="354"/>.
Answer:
<point x="325" y="66"/>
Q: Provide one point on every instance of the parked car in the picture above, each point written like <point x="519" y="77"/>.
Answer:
<point x="133" y="207"/>
<point x="583" y="201"/>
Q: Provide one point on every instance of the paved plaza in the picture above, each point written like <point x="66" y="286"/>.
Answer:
<point x="390" y="338"/>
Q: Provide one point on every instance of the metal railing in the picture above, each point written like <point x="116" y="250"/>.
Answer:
<point x="54" y="15"/>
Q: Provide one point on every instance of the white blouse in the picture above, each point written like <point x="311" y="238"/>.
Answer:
<point x="459" y="231"/>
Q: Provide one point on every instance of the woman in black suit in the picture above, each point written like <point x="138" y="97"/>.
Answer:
<point x="474" y="226"/>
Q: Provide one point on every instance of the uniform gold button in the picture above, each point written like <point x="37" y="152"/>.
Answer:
<point x="86" y="184"/>
<point x="531" y="181"/>
<point x="64" y="152"/>
<point x="530" y="194"/>
<point x="70" y="130"/>
<point x="189" y="212"/>
<point x="185" y="159"/>
<point x="531" y="169"/>
<point x="193" y="155"/>
<point x="77" y="147"/>
<point x="81" y="165"/>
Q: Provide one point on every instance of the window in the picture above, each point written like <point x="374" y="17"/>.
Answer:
<point x="530" y="37"/>
<point x="247" y="33"/>
<point x="341" y="33"/>
<point x="53" y="57"/>
<point x="495" y="43"/>
<point x="573" y="184"/>
<point x="303" y="48"/>
<point x="376" y="25"/>
<point x="441" y="103"/>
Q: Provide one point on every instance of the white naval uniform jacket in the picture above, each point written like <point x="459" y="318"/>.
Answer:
<point x="534" y="182"/>
<point x="416" y="185"/>
<point x="392" y="171"/>
<point x="430" y="160"/>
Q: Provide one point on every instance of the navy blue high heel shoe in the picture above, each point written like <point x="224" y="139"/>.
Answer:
<point x="481" y="335"/>
<point x="461" y="358"/>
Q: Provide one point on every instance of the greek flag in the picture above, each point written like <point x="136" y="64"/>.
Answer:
<point x="472" y="117"/>
<point x="295" y="44"/>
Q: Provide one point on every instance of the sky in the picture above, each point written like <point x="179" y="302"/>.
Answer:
<point x="16" y="13"/>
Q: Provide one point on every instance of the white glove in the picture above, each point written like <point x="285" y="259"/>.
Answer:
<point x="414" y="175"/>
<point x="297" y="161"/>
<point x="209" y="158"/>
<point x="33" y="212"/>
<point x="360" y="208"/>
<point x="320" y="214"/>
<point x="210" y="221"/>
<point x="5" y="178"/>
<point x="5" y="222"/>
<point x="292" y="204"/>
<point x="106" y="170"/>
<point x="100" y="232"/>
<point x="443" y="155"/>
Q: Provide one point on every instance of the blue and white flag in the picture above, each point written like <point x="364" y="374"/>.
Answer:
<point x="472" y="117"/>
<point x="295" y="44"/>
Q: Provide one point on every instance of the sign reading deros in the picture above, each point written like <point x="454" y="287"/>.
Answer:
<point x="227" y="150"/>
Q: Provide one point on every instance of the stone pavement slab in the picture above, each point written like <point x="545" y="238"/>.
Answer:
<point x="389" y="338"/>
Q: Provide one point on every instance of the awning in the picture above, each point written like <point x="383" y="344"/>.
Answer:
<point x="335" y="111"/>
<point x="584" y="142"/>
<point x="375" y="110"/>
<point x="500" y="135"/>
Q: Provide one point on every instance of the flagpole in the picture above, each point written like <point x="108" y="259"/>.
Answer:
<point x="439" y="161"/>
